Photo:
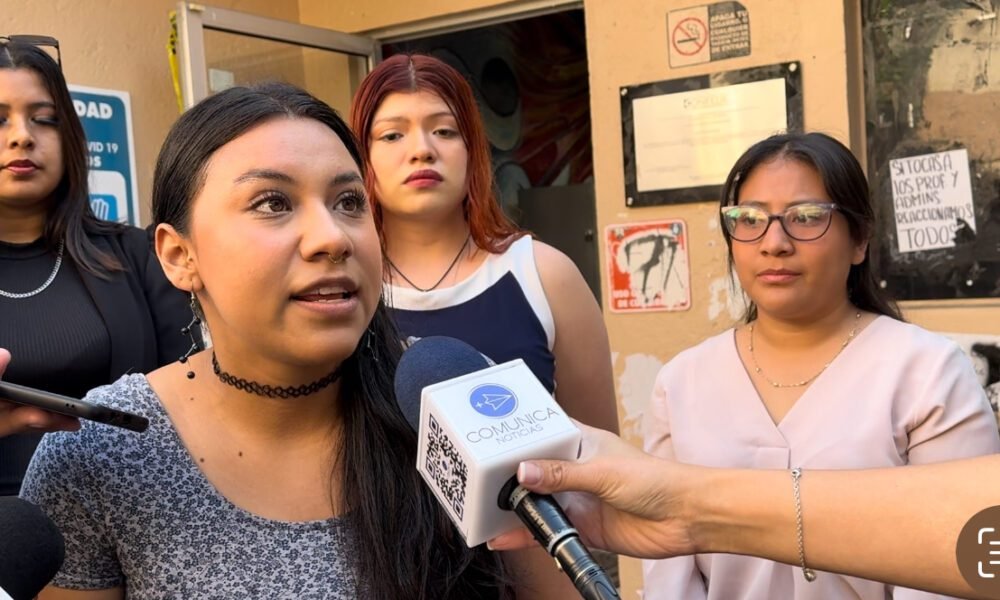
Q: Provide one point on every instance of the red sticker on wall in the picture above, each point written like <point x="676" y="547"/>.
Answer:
<point x="648" y="267"/>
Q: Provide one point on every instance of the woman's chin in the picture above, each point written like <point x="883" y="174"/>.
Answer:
<point x="323" y="352"/>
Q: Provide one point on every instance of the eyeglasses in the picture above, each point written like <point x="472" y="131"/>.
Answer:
<point x="802" y="222"/>
<point x="36" y="40"/>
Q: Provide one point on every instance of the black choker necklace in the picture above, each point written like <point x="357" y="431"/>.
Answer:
<point x="269" y="391"/>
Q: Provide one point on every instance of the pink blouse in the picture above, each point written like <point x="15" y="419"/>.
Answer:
<point x="898" y="394"/>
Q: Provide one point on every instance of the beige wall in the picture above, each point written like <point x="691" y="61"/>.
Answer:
<point x="367" y="15"/>
<point x="121" y="45"/>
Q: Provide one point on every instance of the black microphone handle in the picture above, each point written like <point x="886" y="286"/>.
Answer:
<point x="550" y="526"/>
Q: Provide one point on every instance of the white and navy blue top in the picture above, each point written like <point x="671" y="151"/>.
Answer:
<point x="501" y="310"/>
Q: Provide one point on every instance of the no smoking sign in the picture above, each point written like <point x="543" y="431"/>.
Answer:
<point x="688" y="37"/>
<point x="706" y="33"/>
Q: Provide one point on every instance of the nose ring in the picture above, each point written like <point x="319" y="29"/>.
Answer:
<point x="337" y="259"/>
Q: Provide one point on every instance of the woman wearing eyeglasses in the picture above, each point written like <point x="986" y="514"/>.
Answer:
<point x="822" y="374"/>
<point x="82" y="301"/>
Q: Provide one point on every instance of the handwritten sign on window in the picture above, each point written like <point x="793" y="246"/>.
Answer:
<point x="932" y="200"/>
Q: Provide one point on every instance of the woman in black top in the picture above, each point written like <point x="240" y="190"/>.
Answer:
<point x="82" y="301"/>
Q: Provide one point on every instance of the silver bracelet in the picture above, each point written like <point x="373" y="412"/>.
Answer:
<point x="808" y="573"/>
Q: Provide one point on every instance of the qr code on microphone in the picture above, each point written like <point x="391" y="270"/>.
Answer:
<point x="446" y="467"/>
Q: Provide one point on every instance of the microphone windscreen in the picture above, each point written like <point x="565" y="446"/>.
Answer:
<point x="31" y="548"/>
<point x="428" y="361"/>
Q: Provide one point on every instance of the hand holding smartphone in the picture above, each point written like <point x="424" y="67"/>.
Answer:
<point x="72" y="407"/>
<point x="18" y="418"/>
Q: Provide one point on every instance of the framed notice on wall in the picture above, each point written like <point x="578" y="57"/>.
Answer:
<point x="681" y="136"/>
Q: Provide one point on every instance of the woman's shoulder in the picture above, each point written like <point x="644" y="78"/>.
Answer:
<point x="132" y="245"/>
<point x="706" y="354"/>
<point x="545" y="255"/>
<point x="555" y="268"/>
<point x="130" y="393"/>
<point x="129" y="238"/>
<point x="98" y="447"/>
<point x="124" y="239"/>
<point x="709" y="347"/>
<point x="902" y="337"/>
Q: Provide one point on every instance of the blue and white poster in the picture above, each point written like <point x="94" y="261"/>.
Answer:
<point x="107" y="121"/>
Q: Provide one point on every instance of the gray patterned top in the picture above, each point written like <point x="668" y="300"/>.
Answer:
<point x="137" y="512"/>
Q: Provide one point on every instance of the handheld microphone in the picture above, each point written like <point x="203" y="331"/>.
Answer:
<point x="31" y="549"/>
<point x="475" y="424"/>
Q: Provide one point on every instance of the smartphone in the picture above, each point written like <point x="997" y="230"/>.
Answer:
<point x="65" y="405"/>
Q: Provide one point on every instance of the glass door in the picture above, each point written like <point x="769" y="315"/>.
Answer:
<point x="220" y="48"/>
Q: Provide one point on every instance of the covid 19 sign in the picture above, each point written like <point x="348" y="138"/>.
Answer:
<point x="106" y="116"/>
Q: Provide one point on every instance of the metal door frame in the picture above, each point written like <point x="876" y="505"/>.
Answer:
<point x="193" y="19"/>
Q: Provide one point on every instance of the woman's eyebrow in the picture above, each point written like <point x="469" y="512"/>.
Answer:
<point x="345" y="178"/>
<point x="796" y="202"/>
<point x="398" y="119"/>
<point x="32" y="105"/>
<point x="272" y="175"/>
<point x="401" y="119"/>
<point x="267" y="174"/>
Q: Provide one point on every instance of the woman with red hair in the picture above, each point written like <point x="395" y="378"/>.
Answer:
<point x="457" y="266"/>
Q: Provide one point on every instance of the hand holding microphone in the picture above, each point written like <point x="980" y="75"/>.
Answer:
<point x="626" y="501"/>
<point x="475" y="424"/>
<point x="620" y="498"/>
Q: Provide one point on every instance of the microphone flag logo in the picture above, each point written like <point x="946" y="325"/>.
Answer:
<point x="492" y="400"/>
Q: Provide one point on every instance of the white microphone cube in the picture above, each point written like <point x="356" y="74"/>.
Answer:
<point x="475" y="430"/>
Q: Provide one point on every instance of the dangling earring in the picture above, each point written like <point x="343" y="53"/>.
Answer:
<point x="189" y="331"/>
<point x="372" y="348"/>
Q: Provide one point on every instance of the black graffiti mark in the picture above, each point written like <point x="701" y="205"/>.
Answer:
<point x="661" y="243"/>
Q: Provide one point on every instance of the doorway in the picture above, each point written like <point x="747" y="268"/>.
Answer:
<point x="531" y="82"/>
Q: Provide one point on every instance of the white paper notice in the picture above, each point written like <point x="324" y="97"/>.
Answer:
<point x="692" y="139"/>
<point x="932" y="198"/>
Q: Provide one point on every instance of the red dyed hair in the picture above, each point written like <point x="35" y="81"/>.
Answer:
<point x="490" y="228"/>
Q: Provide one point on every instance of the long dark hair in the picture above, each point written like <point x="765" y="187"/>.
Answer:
<point x="846" y="186"/>
<point x="405" y="546"/>
<point x="489" y="227"/>
<point x="70" y="218"/>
